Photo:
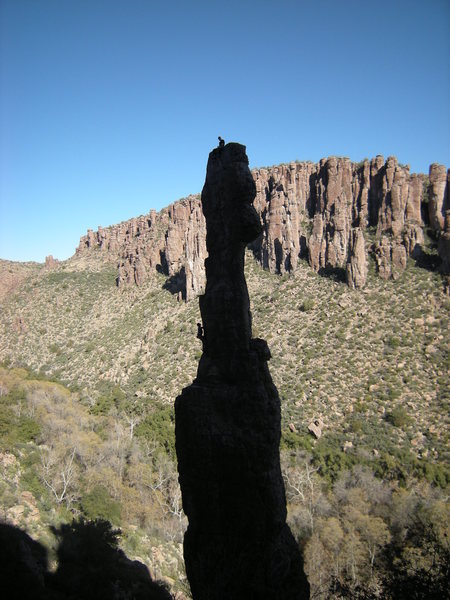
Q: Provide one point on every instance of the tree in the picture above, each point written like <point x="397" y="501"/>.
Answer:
<point x="59" y="473"/>
<point x="304" y="491"/>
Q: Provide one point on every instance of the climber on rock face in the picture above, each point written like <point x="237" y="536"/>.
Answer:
<point x="221" y="142"/>
<point x="200" y="331"/>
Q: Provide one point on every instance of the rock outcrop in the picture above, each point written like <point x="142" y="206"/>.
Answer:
<point x="357" y="261"/>
<point x="172" y="241"/>
<point x="227" y="423"/>
<point x="439" y="215"/>
<point x="437" y="195"/>
<point x="50" y="262"/>
<point x="444" y="251"/>
<point x="306" y="210"/>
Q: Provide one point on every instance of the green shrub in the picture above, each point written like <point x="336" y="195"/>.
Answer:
<point x="15" y="429"/>
<point x="98" y="504"/>
<point x="398" y="417"/>
<point x="30" y="482"/>
<point x="356" y="425"/>
<point x="307" y="305"/>
<point x="293" y="441"/>
<point x="393" y="342"/>
<point x="111" y="397"/>
<point x="6" y="420"/>
<point x="159" y="427"/>
<point x="436" y="474"/>
<point x="331" y="459"/>
<point x="27" y="430"/>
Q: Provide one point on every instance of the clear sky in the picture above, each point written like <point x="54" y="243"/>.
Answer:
<point x="110" y="107"/>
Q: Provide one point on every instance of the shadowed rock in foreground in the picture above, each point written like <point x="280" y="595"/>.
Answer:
<point x="228" y="421"/>
<point x="91" y="566"/>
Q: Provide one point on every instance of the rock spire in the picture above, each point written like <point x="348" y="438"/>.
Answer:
<point x="227" y="423"/>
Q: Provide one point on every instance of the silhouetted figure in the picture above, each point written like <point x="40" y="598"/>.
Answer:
<point x="228" y="422"/>
<point x="200" y="333"/>
<point x="221" y="142"/>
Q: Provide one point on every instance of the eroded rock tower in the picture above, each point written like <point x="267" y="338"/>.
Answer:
<point x="237" y="545"/>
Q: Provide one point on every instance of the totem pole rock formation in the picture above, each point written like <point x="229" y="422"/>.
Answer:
<point x="227" y="422"/>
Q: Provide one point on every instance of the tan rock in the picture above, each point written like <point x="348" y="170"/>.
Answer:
<point x="356" y="271"/>
<point x="391" y="258"/>
<point x="7" y="460"/>
<point x="334" y="197"/>
<point x="317" y="244"/>
<point x="444" y="245"/>
<point x="399" y="260"/>
<point x="50" y="262"/>
<point x="15" y="514"/>
<point x="316" y="427"/>
<point x="437" y="193"/>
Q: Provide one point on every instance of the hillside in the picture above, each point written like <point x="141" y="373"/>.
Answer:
<point x="91" y="370"/>
<point x="343" y="355"/>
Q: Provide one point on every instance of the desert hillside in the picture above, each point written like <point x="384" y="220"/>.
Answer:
<point x="93" y="358"/>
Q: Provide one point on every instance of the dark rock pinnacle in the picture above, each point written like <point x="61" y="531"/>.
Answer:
<point x="237" y="545"/>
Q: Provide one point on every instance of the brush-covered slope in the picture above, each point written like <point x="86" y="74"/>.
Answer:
<point x="347" y="356"/>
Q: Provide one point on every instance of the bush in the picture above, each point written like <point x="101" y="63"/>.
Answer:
<point x="331" y="460"/>
<point x="27" y="430"/>
<point x="307" y="305"/>
<point x="14" y="429"/>
<point x="112" y="397"/>
<point x="159" y="427"/>
<point x="98" y="504"/>
<point x="295" y="441"/>
<point x="398" y="417"/>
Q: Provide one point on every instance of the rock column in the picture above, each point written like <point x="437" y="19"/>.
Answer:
<point x="227" y="423"/>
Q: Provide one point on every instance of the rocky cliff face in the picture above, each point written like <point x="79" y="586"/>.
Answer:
<point x="172" y="241"/>
<point x="439" y="215"/>
<point x="307" y="210"/>
<point x="227" y="423"/>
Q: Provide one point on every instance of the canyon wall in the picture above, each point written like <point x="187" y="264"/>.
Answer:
<point x="330" y="213"/>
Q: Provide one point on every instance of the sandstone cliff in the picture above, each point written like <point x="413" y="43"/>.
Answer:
<point x="307" y="210"/>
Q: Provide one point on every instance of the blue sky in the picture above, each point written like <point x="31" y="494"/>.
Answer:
<point x="110" y="107"/>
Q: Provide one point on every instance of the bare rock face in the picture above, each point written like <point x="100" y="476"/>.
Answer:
<point x="357" y="261"/>
<point x="438" y="191"/>
<point x="317" y="244"/>
<point x="50" y="262"/>
<point x="440" y="205"/>
<point x="316" y="428"/>
<point x="391" y="258"/>
<point x="444" y="251"/>
<point x="227" y="423"/>
<point x="185" y="249"/>
<point x="307" y="211"/>
<point x="383" y="257"/>
<point x="282" y="194"/>
<point x="333" y="198"/>
<point x="172" y="241"/>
